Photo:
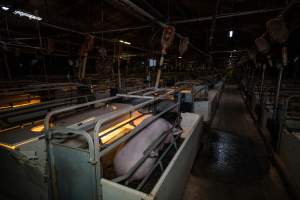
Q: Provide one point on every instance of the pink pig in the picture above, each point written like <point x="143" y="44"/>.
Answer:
<point x="133" y="151"/>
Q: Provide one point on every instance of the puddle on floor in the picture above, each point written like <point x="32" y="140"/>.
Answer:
<point x="229" y="158"/>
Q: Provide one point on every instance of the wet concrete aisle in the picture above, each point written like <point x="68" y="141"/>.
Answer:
<point x="233" y="164"/>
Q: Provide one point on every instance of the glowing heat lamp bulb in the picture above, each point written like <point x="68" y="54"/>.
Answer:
<point x="123" y="129"/>
<point x="33" y="101"/>
<point x="186" y="91"/>
<point x="37" y="129"/>
<point x="21" y="104"/>
<point x="116" y="133"/>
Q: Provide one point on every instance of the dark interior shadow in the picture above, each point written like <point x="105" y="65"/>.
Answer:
<point x="231" y="158"/>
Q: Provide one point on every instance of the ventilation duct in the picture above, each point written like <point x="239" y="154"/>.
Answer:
<point x="277" y="30"/>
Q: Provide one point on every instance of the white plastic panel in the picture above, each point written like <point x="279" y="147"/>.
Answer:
<point x="111" y="191"/>
<point x="172" y="182"/>
<point x="204" y="108"/>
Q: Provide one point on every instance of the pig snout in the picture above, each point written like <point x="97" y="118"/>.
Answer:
<point x="134" y="150"/>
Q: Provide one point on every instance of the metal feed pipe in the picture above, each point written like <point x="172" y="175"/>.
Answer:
<point x="227" y="15"/>
<point x="142" y="12"/>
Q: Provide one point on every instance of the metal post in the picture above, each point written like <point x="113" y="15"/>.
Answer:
<point x="252" y="79"/>
<point x="83" y="67"/>
<point x="119" y="70"/>
<point x="161" y="62"/>
<point x="149" y="77"/>
<point x="285" y="62"/>
<point x="213" y="25"/>
<point x="43" y="56"/>
<point x="276" y="111"/>
<point x="262" y="83"/>
<point x="7" y="66"/>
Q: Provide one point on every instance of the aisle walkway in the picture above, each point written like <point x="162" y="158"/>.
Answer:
<point x="233" y="164"/>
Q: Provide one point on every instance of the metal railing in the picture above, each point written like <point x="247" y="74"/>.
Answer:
<point x="96" y="149"/>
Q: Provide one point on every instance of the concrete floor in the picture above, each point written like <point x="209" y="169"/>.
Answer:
<point x="233" y="164"/>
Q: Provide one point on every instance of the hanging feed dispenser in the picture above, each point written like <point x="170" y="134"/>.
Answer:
<point x="166" y="41"/>
<point x="263" y="47"/>
<point x="277" y="30"/>
<point x="279" y="33"/>
<point x="183" y="45"/>
<point x="87" y="46"/>
<point x="167" y="38"/>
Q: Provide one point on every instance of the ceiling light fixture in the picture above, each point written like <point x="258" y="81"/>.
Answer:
<point x="4" y="8"/>
<point x="28" y="15"/>
<point x="230" y="33"/>
<point x="124" y="42"/>
<point x="179" y="57"/>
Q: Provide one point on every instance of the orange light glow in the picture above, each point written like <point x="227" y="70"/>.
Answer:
<point x="185" y="91"/>
<point x="116" y="133"/>
<point x="14" y="147"/>
<point x="37" y="129"/>
<point x="125" y="127"/>
<point x="33" y="101"/>
<point x="21" y="104"/>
